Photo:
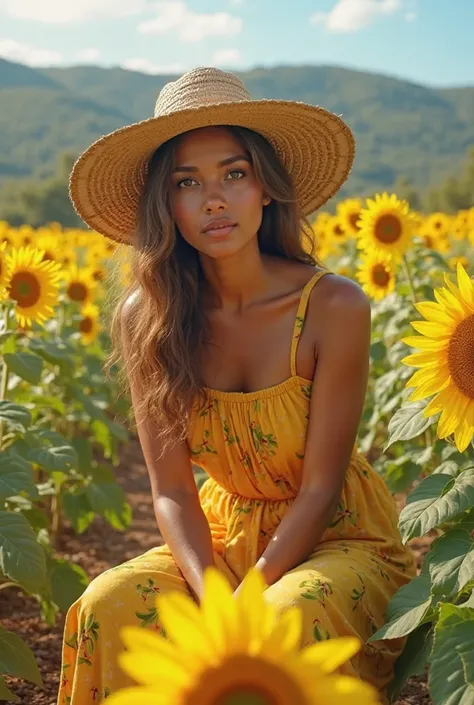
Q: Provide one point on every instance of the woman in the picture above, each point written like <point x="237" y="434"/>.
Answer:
<point x="247" y="358"/>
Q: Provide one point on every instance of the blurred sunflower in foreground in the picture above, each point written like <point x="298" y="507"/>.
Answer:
<point x="386" y="226"/>
<point x="376" y="274"/>
<point x="33" y="284"/>
<point x="235" y="650"/>
<point x="446" y="359"/>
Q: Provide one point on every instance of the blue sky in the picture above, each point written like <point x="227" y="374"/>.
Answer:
<point x="426" y="41"/>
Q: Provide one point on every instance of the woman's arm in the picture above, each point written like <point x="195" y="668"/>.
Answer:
<point x="337" y="400"/>
<point x="178" y="512"/>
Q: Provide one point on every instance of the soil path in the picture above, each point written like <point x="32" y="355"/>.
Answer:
<point x="99" y="548"/>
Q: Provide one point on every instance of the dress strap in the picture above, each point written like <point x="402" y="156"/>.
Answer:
<point x="301" y="315"/>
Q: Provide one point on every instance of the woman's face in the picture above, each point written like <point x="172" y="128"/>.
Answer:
<point x="216" y="199"/>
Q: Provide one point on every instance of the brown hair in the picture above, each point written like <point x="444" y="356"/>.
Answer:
<point x="167" y="328"/>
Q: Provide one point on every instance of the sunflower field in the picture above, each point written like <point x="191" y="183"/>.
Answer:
<point x="62" y="419"/>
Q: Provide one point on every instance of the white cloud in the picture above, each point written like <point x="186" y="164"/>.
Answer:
<point x="146" y="66"/>
<point x="87" y="55"/>
<point x="352" y="15"/>
<point x="26" y="54"/>
<point x="173" y="16"/>
<point x="226" y="57"/>
<point x="69" y="11"/>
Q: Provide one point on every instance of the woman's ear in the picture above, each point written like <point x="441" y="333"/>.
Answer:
<point x="266" y="200"/>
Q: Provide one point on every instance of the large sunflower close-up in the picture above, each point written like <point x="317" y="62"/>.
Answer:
<point x="445" y="359"/>
<point x="386" y="226"/>
<point x="376" y="273"/>
<point x="33" y="284"/>
<point x="235" y="650"/>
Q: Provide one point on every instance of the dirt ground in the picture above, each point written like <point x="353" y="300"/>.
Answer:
<point x="99" y="548"/>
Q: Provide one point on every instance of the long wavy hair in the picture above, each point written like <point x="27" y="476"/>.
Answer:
<point x="158" y="322"/>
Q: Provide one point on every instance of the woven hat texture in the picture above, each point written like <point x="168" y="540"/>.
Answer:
<point x="316" y="146"/>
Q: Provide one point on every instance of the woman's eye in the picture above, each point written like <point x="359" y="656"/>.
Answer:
<point x="236" y="174"/>
<point x="184" y="183"/>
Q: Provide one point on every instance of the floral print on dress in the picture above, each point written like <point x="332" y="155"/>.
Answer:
<point x="316" y="589"/>
<point x="204" y="447"/>
<point x="264" y="443"/>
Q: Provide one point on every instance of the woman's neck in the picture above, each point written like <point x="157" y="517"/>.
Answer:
<point x="236" y="281"/>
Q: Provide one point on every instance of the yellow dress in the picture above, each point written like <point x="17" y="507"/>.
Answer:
<point x="252" y="446"/>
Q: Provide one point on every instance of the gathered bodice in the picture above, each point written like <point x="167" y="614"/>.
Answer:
<point x="252" y="443"/>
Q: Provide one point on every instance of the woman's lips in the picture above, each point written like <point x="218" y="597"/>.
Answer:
<point x="219" y="230"/>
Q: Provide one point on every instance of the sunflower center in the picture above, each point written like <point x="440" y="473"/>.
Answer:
<point x="245" y="680"/>
<point x="338" y="231"/>
<point x="428" y="241"/>
<point x="247" y="696"/>
<point x="388" y="229"/>
<point x="353" y="219"/>
<point x="77" y="291"/>
<point x="25" y="289"/>
<point x="461" y="357"/>
<point x="48" y="256"/>
<point x="85" y="326"/>
<point x="380" y="276"/>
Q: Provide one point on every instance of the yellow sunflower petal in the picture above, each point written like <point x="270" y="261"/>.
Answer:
<point x="150" y="669"/>
<point x="429" y="387"/>
<point x="432" y="330"/>
<point x="286" y="636"/>
<point x="463" y="435"/>
<point x="440" y="402"/>
<point x="138" y="696"/>
<point x="465" y="284"/>
<point x="433" y="312"/>
<point x="421" y="359"/>
<point x="344" y="690"/>
<point x="257" y="616"/>
<point x="418" y="341"/>
<point x="452" y="416"/>
<point x="220" y="612"/>
<point x="330" y="655"/>
<point x="184" y="624"/>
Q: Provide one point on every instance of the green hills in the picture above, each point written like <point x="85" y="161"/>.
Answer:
<point x="402" y="129"/>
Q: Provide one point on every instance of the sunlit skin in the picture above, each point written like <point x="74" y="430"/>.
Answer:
<point x="251" y="302"/>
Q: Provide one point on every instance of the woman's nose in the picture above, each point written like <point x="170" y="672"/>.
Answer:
<point x="214" y="202"/>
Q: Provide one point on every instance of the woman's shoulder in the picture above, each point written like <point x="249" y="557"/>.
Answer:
<point x="337" y="297"/>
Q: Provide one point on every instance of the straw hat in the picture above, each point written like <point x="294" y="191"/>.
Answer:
<point x="316" y="147"/>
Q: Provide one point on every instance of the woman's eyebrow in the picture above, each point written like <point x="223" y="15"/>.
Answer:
<point x="224" y="162"/>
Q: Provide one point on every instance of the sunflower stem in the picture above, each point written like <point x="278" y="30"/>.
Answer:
<point x="409" y="278"/>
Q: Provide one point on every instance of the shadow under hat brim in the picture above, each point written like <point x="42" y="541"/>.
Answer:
<point x="316" y="147"/>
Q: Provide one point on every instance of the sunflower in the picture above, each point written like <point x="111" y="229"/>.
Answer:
<point x="80" y="284"/>
<point x="33" y="284"/>
<point x="349" y="212"/>
<point x="232" y="650"/>
<point x="336" y="229"/>
<point x="445" y="361"/>
<point x="3" y="271"/>
<point x="386" y="225"/>
<point x="89" y="323"/>
<point x="461" y="259"/>
<point x="377" y="275"/>
<point x="49" y="243"/>
<point x="438" y="224"/>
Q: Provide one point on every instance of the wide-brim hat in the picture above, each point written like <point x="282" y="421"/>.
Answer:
<point x="316" y="147"/>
